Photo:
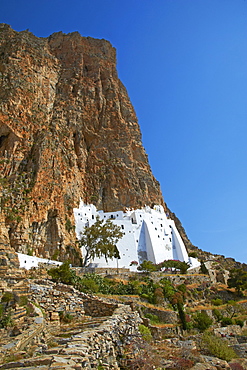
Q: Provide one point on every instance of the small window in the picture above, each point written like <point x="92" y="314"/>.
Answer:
<point x="161" y="225"/>
<point x="170" y="239"/>
<point x="158" y="236"/>
<point x="92" y="217"/>
<point x="111" y="216"/>
<point x="155" y="228"/>
<point x="122" y="226"/>
<point x="140" y="215"/>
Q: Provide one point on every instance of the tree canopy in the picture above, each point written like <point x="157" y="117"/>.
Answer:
<point x="100" y="239"/>
<point x="238" y="280"/>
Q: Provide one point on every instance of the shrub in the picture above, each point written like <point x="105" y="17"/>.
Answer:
<point x="145" y="333"/>
<point x="239" y="322"/>
<point x="7" y="297"/>
<point x="65" y="317"/>
<point x="6" y="321"/>
<point x="217" y="314"/>
<point x="203" y="268"/>
<point x="217" y="302"/>
<point x="217" y="347"/>
<point x="226" y="321"/>
<point x="193" y="254"/>
<point x="153" y="318"/>
<point x="202" y="321"/>
<point x="236" y="366"/>
<point x="89" y="285"/>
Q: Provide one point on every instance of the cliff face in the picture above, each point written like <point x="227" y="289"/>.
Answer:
<point x="67" y="130"/>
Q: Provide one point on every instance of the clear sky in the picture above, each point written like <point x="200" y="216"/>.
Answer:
<point x="184" y="64"/>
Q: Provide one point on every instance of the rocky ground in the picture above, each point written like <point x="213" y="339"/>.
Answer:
<point x="54" y="326"/>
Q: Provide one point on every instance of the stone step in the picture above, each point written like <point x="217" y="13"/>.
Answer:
<point x="19" y="313"/>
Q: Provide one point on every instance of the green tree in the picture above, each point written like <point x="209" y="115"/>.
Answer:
<point x="238" y="280"/>
<point x="178" y="265"/>
<point x="147" y="266"/>
<point x="100" y="239"/>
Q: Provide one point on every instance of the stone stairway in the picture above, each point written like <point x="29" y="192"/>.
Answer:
<point x="84" y="346"/>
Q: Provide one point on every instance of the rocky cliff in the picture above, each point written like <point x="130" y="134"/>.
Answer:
<point x="67" y="130"/>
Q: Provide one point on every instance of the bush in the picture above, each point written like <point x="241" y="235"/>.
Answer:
<point x="217" y="347"/>
<point x="239" y="322"/>
<point x="202" y="321"/>
<point x="145" y="333"/>
<point x="88" y="285"/>
<point x="226" y="321"/>
<point x="217" y="302"/>
<point x="66" y="317"/>
<point x="193" y="254"/>
<point x="217" y="314"/>
<point x="153" y="318"/>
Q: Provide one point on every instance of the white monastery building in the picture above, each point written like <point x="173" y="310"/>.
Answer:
<point x="148" y="235"/>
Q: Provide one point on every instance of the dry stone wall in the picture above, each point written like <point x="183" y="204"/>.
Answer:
<point x="59" y="298"/>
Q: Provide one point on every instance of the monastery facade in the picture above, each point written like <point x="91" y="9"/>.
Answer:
<point x="148" y="235"/>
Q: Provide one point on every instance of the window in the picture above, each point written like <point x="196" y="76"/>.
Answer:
<point x="155" y="228"/>
<point x="93" y="217"/>
<point x="161" y="225"/>
<point x="122" y="226"/>
<point x="170" y="239"/>
<point x="158" y="236"/>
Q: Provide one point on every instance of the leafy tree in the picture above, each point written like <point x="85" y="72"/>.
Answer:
<point x="238" y="280"/>
<point x="100" y="239"/>
<point x="179" y="265"/>
<point x="147" y="266"/>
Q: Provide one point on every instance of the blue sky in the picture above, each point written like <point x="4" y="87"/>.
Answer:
<point x="184" y="64"/>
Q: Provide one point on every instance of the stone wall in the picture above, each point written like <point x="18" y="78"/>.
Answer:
<point x="88" y="348"/>
<point x="57" y="298"/>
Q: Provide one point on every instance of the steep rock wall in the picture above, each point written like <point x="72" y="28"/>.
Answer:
<point x="67" y="130"/>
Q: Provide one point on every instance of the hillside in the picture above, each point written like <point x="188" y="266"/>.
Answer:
<point x="67" y="130"/>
